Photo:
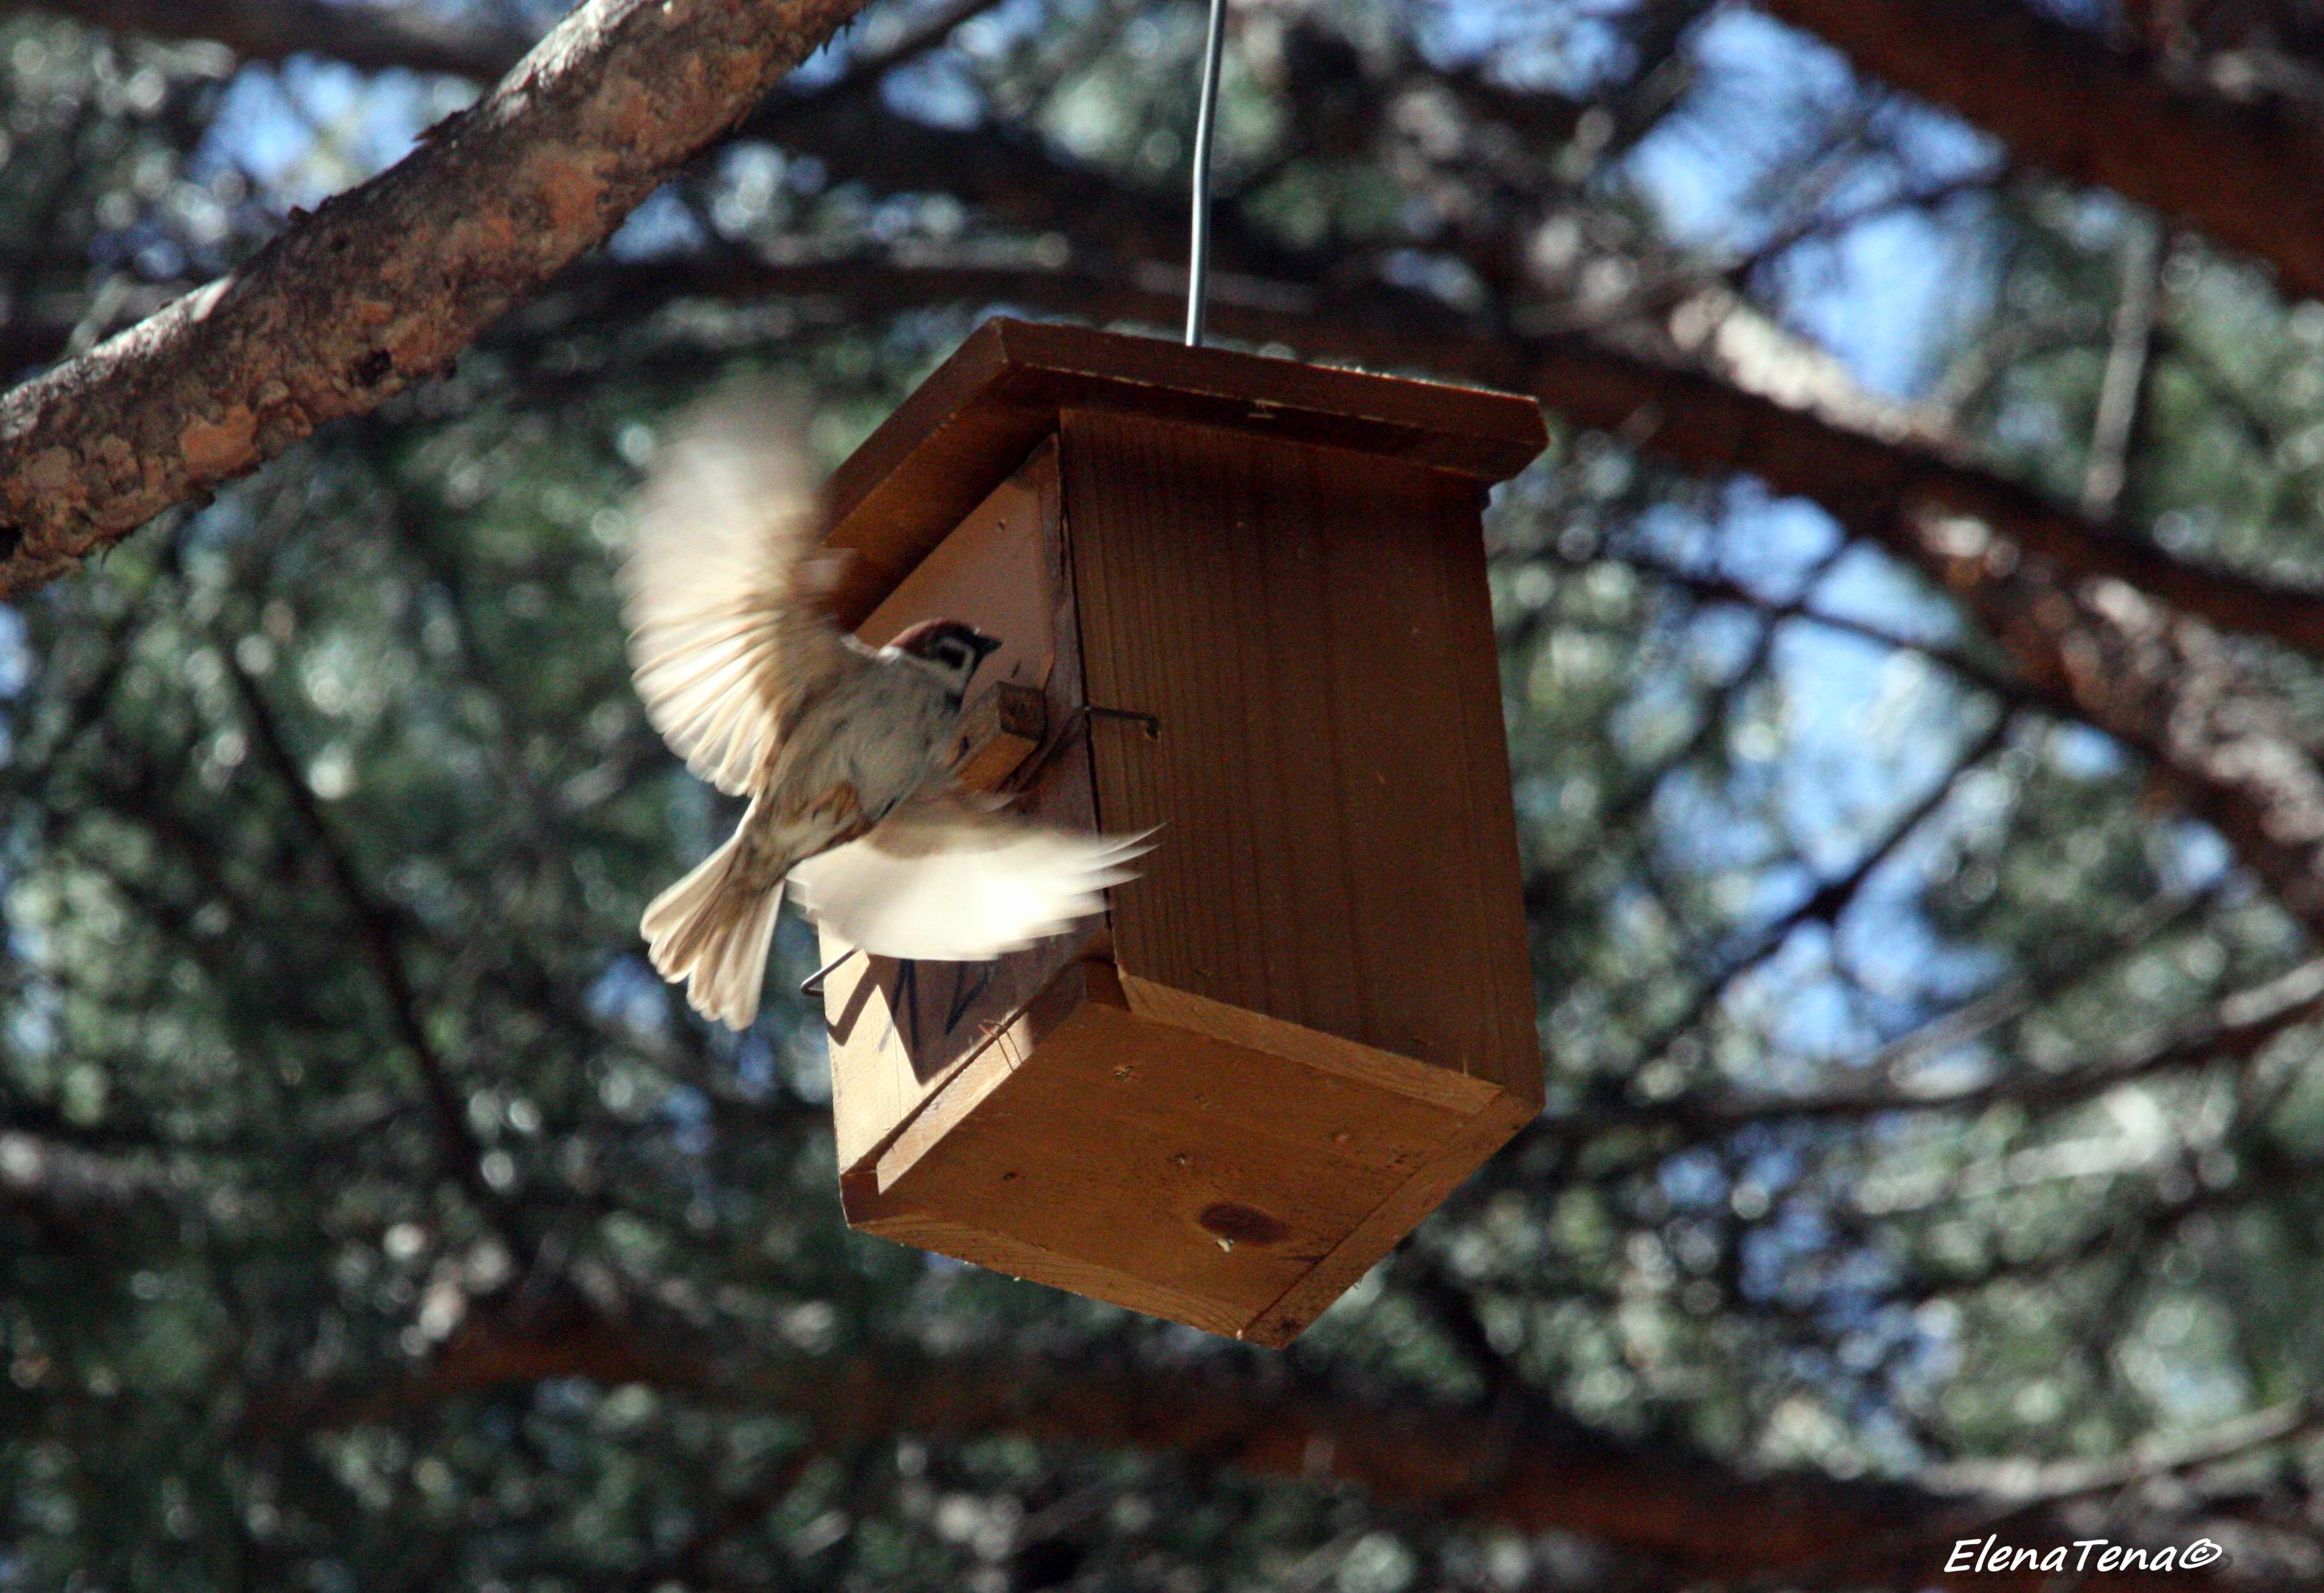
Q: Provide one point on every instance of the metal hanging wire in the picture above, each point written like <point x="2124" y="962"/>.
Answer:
<point x="1198" y="258"/>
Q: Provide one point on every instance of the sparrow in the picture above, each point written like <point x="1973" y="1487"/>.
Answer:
<point x="841" y="748"/>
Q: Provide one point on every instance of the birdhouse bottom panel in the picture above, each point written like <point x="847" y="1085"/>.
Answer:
<point x="1127" y="1157"/>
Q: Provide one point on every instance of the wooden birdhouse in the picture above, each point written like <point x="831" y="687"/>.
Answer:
<point x="1243" y="604"/>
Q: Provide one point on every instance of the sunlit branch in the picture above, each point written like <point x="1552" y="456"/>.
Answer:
<point x="2251" y="180"/>
<point x="389" y="281"/>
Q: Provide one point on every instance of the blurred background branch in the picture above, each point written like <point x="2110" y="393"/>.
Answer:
<point x="1911" y="654"/>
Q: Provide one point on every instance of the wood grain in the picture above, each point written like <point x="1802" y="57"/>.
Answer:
<point x="1169" y="1161"/>
<point x="1311" y="626"/>
<point x="1361" y="1064"/>
<point x="1186" y="1176"/>
<point x="973" y="420"/>
<point x="1313" y="1016"/>
<point x="1467" y="1149"/>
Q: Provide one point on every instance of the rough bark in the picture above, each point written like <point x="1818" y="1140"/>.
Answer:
<point x="2055" y="93"/>
<point x="1012" y="176"/>
<point x="386" y="284"/>
<point x="2086" y="631"/>
<point x="1521" y="1465"/>
<point x="1875" y="456"/>
<point x="2225" y="747"/>
<point x="2061" y="99"/>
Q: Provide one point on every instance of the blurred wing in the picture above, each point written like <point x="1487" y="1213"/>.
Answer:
<point x="945" y="879"/>
<point x="722" y="590"/>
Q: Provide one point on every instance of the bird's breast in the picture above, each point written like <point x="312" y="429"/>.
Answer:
<point x="884" y="733"/>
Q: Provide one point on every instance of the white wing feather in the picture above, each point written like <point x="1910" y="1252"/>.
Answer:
<point x="721" y="589"/>
<point x="944" y="880"/>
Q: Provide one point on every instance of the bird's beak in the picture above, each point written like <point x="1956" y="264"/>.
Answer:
<point x="986" y="646"/>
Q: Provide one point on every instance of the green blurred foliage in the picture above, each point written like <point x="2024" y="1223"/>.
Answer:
<point x="337" y="781"/>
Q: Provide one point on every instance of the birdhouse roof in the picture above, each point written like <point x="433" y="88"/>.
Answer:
<point x="973" y="421"/>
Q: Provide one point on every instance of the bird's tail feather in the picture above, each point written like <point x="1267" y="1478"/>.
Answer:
<point x="713" y="932"/>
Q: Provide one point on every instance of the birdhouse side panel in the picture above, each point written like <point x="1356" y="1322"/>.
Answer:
<point x="899" y="1030"/>
<point x="1311" y="627"/>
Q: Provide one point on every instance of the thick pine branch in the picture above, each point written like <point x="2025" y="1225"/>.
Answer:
<point x="2058" y="98"/>
<point x="387" y="282"/>
<point x="1872" y="460"/>
<point x="2234" y="1029"/>
<point x="1527" y="1467"/>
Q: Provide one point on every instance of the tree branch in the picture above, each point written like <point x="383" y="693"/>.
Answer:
<point x="46" y="1178"/>
<point x="2239" y="1027"/>
<point x="1864" y="459"/>
<point x="1533" y="1469"/>
<point x="2117" y="427"/>
<point x="2074" y="603"/>
<point x="387" y="282"/>
<point x="1876" y="453"/>
<point x="2061" y="99"/>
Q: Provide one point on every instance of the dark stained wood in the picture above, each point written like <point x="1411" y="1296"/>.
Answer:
<point x="1312" y="628"/>
<point x="972" y="422"/>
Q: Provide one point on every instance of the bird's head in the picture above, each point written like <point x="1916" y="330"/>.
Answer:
<point x="946" y="649"/>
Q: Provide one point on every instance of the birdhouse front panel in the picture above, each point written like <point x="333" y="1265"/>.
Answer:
<point x="1243" y="606"/>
